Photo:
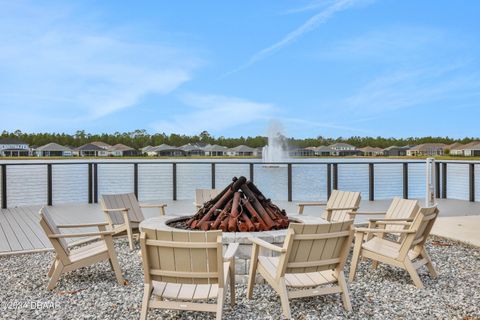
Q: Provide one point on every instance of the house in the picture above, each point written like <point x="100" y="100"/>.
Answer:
<point x="241" y="151"/>
<point x="395" y="151"/>
<point x="121" y="150"/>
<point x="258" y="152"/>
<point x="53" y="150"/>
<point x="456" y="149"/>
<point x="472" y="149"/>
<point x="344" y="149"/>
<point x="301" y="152"/>
<point x="13" y="147"/>
<point x="192" y="149"/>
<point x="215" y="150"/>
<point x="323" y="151"/>
<point x="101" y="144"/>
<point x="427" y="149"/>
<point x="371" y="151"/>
<point x="90" y="150"/>
<point x="164" y="150"/>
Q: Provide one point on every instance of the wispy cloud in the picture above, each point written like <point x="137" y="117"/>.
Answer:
<point x="75" y="68"/>
<point x="309" y="25"/>
<point x="214" y="113"/>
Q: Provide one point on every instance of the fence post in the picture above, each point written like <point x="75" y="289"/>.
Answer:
<point x="135" y="179"/>
<point x="335" y="176"/>
<point x="329" y="180"/>
<point x="49" y="185"/>
<point x="90" y="183"/>
<point x="371" y="182"/>
<point x="444" y="180"/>
<point x="95" y="183"/>
<point x="251" y="172"/>
<point x="405" y="180"/>
<point x="174" y="173"/>
<point x="472" y="181"/>
<point x="289" y="171"/>
<point x="213" y="175"/>
<point x="4" y="186"/>
<point x="437" y="180"/>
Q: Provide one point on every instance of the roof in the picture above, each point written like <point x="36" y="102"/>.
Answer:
<point x="89" y="147"/>
<point x="455" y="146"/>
<point x="215" y="148"/>
<point x="191" y="147"/>
<point x="146" y="149"/>
<point x="370" y="149"/>
<point x="428" y="146"/>
<point x="52" y="146"/>
<point x="11" y="141"/>
<point x="120" y="147"/>
<point x="101" y="144"/>
<point x="471" y="145"/>
<point x="162" y="147"/>
<point x="341" y="144"/>
<point x="397" y="147"/>
<point x="242" y="148"/>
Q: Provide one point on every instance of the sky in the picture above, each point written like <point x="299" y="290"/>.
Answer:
<point x="320" y="67"/>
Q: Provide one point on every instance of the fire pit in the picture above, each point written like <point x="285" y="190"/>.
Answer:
<point x="240" y="207"/>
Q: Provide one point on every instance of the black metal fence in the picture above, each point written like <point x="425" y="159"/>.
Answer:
<point x="441" y="181"/>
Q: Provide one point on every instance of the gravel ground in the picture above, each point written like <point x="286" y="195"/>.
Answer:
<point x="386" y="293"/>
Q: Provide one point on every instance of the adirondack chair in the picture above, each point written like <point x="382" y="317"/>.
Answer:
<point x="313" y="255"/>
<point x="400" y="254"/>
<point x="186" y="267"/>
<point x="341" y="205"/>
<point x="204" y="195"/>
<point x="67" y="260"/>
<point x="123" y="212"/>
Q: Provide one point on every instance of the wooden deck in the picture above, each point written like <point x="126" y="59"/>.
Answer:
<point x="20" y="230"/>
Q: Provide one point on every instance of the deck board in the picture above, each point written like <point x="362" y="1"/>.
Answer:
<point x="9" y="233"/>
<point x="22" y="237"/>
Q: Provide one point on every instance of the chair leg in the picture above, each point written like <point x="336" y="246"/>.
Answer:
<point x="52" y="268"/>
<point x="55" y="276"/>
<point x="345" y="293"/>
<point x="429" y="264"/>
<point x="232" y="282"/>
<point x="220" y="299"/>
<point x="284" y="299"/>
<point x="374" y="264"/>
<point x="355" y="256"/>
<point x="112" y="258"/>
<point x="253" y="271"/>
<point x="413" y="273"/>
<point x="130" y="237"/>
<point x="147" y="291"/>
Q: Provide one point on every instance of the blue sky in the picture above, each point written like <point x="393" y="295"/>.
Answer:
<point x="322" y="67"/>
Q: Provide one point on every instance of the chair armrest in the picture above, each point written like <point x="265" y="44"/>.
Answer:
<point x="344" y="208"/>
<point x="115" y="210"/>
<point x="79" y="235"/>
<point x="392" y="223"/>
<point x="231" y="251"/>
<point x="372" y="213"/>
<point x="371" y="230"/>
<point x="147" y="205"/>
<point x="266" y="245"/>
<point x="391" y="219"/>
<point x="311" y="204"/>
<point x="84" y="225"/>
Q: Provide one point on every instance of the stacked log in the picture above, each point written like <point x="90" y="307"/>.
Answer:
<point x="240" y="207"/>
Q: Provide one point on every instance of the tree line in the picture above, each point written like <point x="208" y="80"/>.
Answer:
<point x="141" y="138"/>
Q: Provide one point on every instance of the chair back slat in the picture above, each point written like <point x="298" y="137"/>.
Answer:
<point x="204" y="195"/>
<point x="422" y="225"/>
<point x="50" y="227"/>
<point x="188" y="257"/>
<point x="125" y="200"/>
<point x="317" y="247"/>
<point x="341" y="199"/>
<point x="401" y="209"/>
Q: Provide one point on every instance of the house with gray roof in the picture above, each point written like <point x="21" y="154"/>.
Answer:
<point x="214" y="150"/>
<point x="90" y="150"/>
<point x="164" y="150"/>
<point x="395" y="151"/>
<point x="344" y="149"/>
<point x="427" y="149"/>
<point x="192" y="149"/>
<point x="53" y="150"/>
<point x="371" y="151"/>
<point x="121" y="150"/>
<point x="241" y="151"/>
<point x="13" y="147"/>
<point x="471" y="149"/>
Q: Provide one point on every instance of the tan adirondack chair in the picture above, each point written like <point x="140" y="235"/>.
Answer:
<point x="184" y="267"/>
<point x="204" y="195"/>
<point x="400" y="254"/>
<point x="313" y="255"/>
<point x="341" y="205"/>
<point x="123" y="212"/>
<point x="67" y="260"/>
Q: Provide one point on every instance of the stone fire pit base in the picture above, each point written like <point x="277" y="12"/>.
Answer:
<point x="242" y="259"/>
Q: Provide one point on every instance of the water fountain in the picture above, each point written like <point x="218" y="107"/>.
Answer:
<point x="276" y="148"/>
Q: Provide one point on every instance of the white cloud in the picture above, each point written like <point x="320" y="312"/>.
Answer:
<point x="55" y="60"/>
<point x="309" y="25"/>
<point x="214" y="113"/>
